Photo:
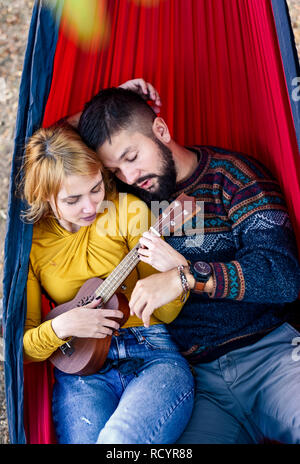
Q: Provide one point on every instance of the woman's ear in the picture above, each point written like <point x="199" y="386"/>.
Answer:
<point x="161" y="130"/>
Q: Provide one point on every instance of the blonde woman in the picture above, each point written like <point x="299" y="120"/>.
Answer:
<point x="144" y="392"/>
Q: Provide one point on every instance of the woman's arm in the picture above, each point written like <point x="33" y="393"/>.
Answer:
<point x="140" y="86"/>
<point x="41" y="339"/>
<point x="145" y="90"/>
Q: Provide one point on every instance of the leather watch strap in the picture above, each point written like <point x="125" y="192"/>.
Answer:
<point x="199" y="287"/>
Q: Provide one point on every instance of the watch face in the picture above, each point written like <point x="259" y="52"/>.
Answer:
<point x="202" y="268"/>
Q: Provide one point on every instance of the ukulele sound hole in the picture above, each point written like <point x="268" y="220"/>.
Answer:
<point x="85" y="300"/>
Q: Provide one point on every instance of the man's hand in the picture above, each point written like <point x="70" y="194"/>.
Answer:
<point x="153" y="292"/>
<point x="159" y="254"/>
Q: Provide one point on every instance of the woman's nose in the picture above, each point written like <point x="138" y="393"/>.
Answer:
<point x="89" y="206"/>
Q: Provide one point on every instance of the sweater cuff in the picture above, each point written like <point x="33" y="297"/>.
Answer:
<point x="228" y="281"/>
<point x="40" y="342"/>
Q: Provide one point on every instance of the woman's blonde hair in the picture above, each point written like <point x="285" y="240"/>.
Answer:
<point x="50" y="156"/>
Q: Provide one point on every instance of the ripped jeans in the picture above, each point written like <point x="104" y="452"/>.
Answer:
<point x="143" y="394"/>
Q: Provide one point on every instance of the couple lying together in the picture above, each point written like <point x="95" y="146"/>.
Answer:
<point x="189" y="304"/>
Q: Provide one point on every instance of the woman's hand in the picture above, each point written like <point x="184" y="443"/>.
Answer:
<point x="86" y="321"/>
<point x="140" y="86"/>
<point x="74" y="119"/>
<point x="145" y="90"/>
<point x="159" y="254"/>
<point x="152" y="292"/>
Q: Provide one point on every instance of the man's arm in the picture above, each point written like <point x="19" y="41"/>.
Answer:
<point x="265" y="268"/>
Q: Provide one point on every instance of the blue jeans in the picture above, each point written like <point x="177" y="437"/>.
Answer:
<point x="143" y="394"/>
<point x="250" y="394"/>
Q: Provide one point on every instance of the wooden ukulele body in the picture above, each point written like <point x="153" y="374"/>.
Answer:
<point x="84" y="356"/>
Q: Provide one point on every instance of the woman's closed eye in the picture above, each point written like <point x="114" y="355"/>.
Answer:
<point x="97" y="188"/>
<point x="134" y="157"/>
<point x="75" y="199"/>
<point x="72" y="201"/>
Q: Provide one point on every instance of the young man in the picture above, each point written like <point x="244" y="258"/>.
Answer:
<point x="243" y="271"/>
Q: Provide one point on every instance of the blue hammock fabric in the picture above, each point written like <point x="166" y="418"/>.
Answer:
<point x="34" y="91"/>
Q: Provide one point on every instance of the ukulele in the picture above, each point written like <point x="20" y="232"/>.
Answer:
<point x="85" y="356"/>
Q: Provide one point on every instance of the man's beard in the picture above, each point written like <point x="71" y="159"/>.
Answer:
<point x="166" y="181"/>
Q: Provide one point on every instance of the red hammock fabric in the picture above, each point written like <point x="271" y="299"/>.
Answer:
<point x="218" y="69"/>
<point x="38" y="384"/>
<point x="217" y="66"/>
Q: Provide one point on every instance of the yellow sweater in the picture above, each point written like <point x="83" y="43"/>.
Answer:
<point x="61" y="261"/>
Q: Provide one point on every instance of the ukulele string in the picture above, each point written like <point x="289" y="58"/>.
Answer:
<point x="131" y="260"/>
<point x="163" y="218"/>
<point x="114" y="278"/>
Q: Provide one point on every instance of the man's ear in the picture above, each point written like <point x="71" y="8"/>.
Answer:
<point x="161" y="130"/>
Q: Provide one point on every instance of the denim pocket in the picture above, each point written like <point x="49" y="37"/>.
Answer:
<point x="157" y="337"/>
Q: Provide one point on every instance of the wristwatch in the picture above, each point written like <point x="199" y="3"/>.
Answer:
<point x="201" y="272"/>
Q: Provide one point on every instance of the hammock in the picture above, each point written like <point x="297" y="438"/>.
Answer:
<point x="227" y="75"/>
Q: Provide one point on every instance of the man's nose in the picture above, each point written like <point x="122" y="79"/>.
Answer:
<point x="129" y="176"/>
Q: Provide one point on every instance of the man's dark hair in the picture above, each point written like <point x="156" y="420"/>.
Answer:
<point x="111" y="111"/>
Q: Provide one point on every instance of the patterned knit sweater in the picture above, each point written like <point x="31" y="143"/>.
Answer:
<point x="249" y="242"/>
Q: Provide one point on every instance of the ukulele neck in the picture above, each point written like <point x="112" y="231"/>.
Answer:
<point x="119" y="274"/>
